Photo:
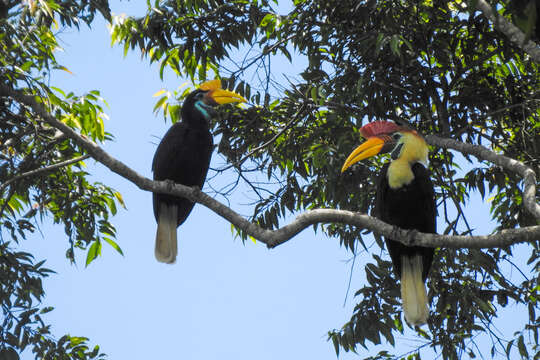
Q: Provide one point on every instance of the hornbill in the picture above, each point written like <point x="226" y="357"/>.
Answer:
<point x="405" y="198"/>
<point x="183" y="156"/>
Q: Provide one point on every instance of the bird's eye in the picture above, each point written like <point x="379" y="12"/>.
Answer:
<point x="396" y="136"/>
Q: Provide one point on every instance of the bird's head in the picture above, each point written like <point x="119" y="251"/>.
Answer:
<point x="388" y="137"/>
<point x="208" y="95"/>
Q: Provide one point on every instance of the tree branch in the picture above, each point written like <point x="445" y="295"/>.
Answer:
<point x="513" y="32"/>
<point x="273" y="238"/>
<point x="481" y="153"/>
<point x="42" y="170"/>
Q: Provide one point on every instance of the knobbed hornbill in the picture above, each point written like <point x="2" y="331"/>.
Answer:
<point x="183" y="156"/>
<point x="405" y="198"/>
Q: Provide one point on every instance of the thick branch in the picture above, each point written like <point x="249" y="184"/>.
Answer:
<point x="273" y="238"/>
<point x="480" y="152"/>
<point x="513" y="32"/>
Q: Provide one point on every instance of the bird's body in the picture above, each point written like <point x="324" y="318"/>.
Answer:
<point x="395" y="207"/>
<point x="183" y="156"/>
<point x="410" y="206"/>
<point x="405" y="198"/>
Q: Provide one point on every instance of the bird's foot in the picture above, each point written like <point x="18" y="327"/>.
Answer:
<point x="410" y="236"/>
<point x="395" y="232"/>
<point x="170" y="184"/>
<point x="195" y="190"/>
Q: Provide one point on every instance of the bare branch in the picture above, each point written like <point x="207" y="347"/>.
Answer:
<point x="480" y="152"/>
<point x="42" y="170"/>
<point x="514" y="33"/>
<point x="273" y="238"/>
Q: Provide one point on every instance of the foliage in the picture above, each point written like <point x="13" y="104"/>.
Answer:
<point x="437" y="65"/>
<point x="23" y="324"/>
<point x="27" y="145"/>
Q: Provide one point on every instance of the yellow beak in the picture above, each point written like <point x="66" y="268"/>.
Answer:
<point x="219" y="95"/>
<point x="371" y="147"/>
<point x="222" y="96"/>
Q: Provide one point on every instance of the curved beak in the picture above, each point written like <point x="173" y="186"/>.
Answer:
<point x="371" y="147"/>
<point x="222" y="96"/>
<point x="217" y="95"/>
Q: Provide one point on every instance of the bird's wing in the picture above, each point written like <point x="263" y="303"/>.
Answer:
<point x="421" y="174"/>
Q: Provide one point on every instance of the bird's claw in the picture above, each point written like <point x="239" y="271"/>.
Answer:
<point x="410" y="236"/>
<point x="395" y="232"/>
<point x="170" y="184"/>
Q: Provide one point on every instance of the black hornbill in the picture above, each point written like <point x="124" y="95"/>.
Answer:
<point x="405" y="198"/>
<point x="183" y="156"/>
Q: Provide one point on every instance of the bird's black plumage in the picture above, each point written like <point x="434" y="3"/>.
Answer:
<point x="411" y="206"/>
<point x="183" y="155"/>
<point x="405" y="198"/>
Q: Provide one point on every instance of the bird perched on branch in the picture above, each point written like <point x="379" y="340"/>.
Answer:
<point x="183" y="156"/>
<point x="405" y="198"/>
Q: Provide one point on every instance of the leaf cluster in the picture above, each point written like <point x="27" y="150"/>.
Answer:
<point x="431" y="64"/>
<point x="434" y="65"/>
<point x="42" y="173"/>
<point x="23" y="324"/>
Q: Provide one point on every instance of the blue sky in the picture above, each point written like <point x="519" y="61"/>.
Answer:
<point x="222" y="299"/>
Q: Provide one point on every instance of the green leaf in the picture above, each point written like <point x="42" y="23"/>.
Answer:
<point x="394" y="45"/>
<point x="160" y="103"/>
<point x="120" y="199"/>
<point x="27" y="65"/>
<point x="46" y="309"/>
<point x="314" y="94"/>
<point x="114" y="245"/>
<point x="335" y="341"/>
<point x="267" y="19"/>
<point x="16" y="203"/>
<point x="160" y="92"/>
<point x="63" y="68"/>
<point x="93" y="252"/>
<point x="521" y="347"/>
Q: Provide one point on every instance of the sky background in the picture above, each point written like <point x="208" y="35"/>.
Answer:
<point x="222" y="299"/>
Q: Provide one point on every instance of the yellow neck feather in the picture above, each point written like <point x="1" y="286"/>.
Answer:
<point x="399" y="173"/>
<point x="414" y="150"/>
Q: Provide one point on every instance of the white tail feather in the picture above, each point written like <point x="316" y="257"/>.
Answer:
<point x="166" y="243"/>
<point x="413" y="290"/>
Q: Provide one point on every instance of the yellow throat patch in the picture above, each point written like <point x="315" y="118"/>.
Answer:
<point x="400" y="170"/>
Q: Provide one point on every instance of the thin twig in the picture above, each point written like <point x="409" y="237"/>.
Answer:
<point x="42" y="170"/>
<point x="265" y="52"/>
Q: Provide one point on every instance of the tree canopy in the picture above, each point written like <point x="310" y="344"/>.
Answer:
<point x="466" y="71"/>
